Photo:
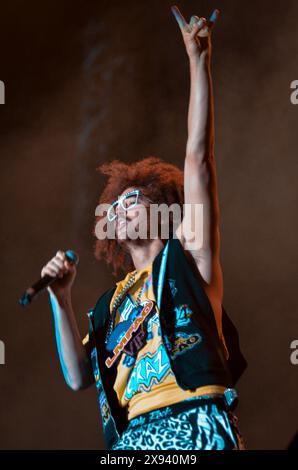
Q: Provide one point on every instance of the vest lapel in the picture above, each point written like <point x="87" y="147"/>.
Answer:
<point x="158" y="273"/>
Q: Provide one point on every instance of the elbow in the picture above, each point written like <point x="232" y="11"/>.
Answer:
<point x="195" y="154"/>
<point x="80" y="378"/>
<point x="198" y="168"/>
<point x="198" y="148"/>
<point x="199" y="161"/>
<point x="199" y="156"/>
<point x="81" y="384"/>
<point x="75" y="386"/>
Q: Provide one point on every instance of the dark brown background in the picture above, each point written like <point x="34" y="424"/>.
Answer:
<point x="88" y="81"/>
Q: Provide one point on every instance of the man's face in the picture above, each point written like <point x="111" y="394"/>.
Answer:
<point x="132" y="215"/>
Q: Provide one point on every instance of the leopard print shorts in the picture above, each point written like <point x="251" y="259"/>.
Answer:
<point x="205" y="426"/>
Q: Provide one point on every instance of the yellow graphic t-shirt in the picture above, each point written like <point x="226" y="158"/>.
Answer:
<point x="146" y="382"/>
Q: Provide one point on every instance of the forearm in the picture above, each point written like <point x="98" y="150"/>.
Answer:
<point x="200" y="143"/>
<point x="74" y="361"/>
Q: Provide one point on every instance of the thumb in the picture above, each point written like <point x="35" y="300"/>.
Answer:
<point x="69" y="266"/>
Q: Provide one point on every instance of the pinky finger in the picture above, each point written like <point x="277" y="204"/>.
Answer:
<point x="214" y="17"/>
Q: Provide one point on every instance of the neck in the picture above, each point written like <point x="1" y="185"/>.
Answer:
<point x="144" y="254"/>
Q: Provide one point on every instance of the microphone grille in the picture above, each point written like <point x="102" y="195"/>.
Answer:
<point x="72" y="257"/>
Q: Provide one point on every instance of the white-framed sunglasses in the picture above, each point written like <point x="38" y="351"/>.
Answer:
<point x="127" y="201"/>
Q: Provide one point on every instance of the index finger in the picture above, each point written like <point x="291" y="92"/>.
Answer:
<point x="180" y="18"/>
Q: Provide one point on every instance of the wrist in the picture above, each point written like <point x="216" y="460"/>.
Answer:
<point x="62" y="300"/>
<point x="200" y="61"/>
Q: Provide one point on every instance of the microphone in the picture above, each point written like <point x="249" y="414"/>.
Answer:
<point x="45" y="281"/>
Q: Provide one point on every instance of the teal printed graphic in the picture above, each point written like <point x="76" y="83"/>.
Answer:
<point x="154" y="320"/>
<point x="126" y="308"/>
<point x="128" y="360"/>
<point x="150" y="369"/>
<point x="104" y="408"/>
<point x="183" y="313"/>
<point x="173" y="288"/>
<point x="94" y="363"/>
<point x="184" y="342"/>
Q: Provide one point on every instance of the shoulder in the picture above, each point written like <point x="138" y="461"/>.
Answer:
<point x="207" y="267"/>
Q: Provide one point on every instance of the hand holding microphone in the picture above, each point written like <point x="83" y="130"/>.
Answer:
<point x="57" y="276"/>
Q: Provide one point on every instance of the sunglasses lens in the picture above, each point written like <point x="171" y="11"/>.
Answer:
<point x="111" y="214"/>
<point x="126" y="202"/>
<point x="129" y="201"/>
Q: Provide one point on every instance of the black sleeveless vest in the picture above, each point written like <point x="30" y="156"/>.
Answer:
<point x="194" y="348"/>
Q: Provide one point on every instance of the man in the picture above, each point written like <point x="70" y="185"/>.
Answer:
<point x="160" y="349"/>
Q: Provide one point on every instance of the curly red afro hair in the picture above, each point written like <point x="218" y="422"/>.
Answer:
<point x="160" y="181"/>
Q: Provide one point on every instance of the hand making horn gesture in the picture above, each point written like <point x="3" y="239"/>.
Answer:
<point x="197" y="33"/>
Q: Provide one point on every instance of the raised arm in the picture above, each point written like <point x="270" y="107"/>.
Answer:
<point x="199" y="167"/>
